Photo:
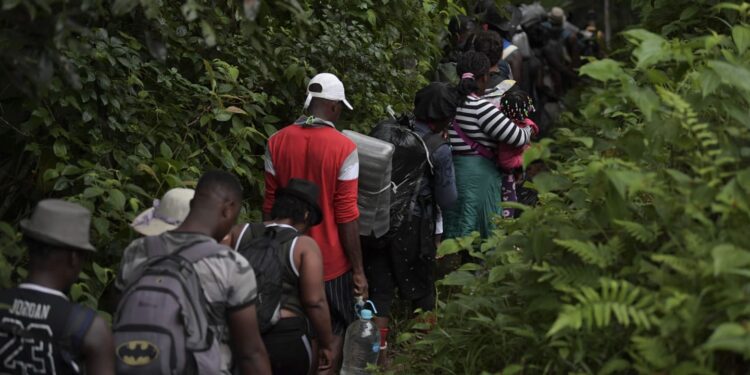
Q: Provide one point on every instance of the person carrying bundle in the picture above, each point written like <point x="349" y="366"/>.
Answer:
<point x="475" y="134"/>
<point x="405" y="257"/>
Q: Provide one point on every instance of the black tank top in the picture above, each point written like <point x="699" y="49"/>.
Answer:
<point x="41" y="332"/>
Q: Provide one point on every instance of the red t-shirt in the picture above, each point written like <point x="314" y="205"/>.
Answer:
<point x="321" y="154"/>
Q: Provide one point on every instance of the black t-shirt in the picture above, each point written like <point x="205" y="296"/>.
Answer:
<point x="41" y="332"/>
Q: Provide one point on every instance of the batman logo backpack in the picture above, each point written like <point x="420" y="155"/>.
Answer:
<point x="161" y="325"/>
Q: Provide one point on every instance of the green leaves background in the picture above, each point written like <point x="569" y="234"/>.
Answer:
<point x="636" y="259"/>
<point x="111" y="103"/>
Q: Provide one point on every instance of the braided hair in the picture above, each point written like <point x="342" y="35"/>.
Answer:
<point x="471" y="66"/>
<point x="517" y="105"/>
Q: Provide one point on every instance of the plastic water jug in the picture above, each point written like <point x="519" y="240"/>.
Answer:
<point x="361" y="345"/>
<point x="374" y="190"/>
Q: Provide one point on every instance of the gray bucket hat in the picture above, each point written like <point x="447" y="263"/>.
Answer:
<point x="60" y="223"/>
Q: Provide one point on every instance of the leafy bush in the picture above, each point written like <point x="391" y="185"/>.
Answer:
<point x="636" y="259"/>
<point x="110" y="104"/>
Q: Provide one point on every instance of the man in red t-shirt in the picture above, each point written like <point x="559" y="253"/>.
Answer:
<point x="312" y="149"/>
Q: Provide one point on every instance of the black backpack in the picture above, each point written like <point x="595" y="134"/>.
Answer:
<point x="261" y="247"/>
<point x="411" y="161"/>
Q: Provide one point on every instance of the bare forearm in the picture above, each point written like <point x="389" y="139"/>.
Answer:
<point x="349" y="236"/>
<point x="248" y="348"/>
<point x="321" y="321"/>
<point x="254" y="363"/>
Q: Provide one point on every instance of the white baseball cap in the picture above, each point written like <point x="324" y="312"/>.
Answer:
<point x="333" y="89"/>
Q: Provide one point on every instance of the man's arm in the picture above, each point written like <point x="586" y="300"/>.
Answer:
<point x="99" y="348"/>
<point x="313" y="296"/>
<point x="346" y="214"/>
<point x="349" y="236"/>
<point x="247" y="346"/>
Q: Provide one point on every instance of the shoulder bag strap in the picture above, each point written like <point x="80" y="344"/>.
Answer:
<point x="476" y="146"/>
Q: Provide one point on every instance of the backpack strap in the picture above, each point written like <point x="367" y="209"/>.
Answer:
<point x="242" y="235"/>
<point x="434" y="141"/>
<point x="198" y="251"/>
<point x="249" y="232"/>
<point x="154" y="246"/>
<point x="80" y="321"/>
<point x="283" y="235"/>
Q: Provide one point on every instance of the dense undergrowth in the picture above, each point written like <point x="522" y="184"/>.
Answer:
<point x="111" y="103"/>
<point x="636" y="260"/>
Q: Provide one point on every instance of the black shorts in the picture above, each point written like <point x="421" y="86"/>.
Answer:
<point x="340" y="295"/>
<point x="289" y="346"/>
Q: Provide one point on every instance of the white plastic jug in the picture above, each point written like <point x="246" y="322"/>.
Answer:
<point x="361" y="345"/>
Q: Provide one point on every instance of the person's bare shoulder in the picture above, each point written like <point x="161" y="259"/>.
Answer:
<point x="307" y="243"/>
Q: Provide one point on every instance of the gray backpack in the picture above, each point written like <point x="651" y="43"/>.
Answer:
<point x="161" y="325"/>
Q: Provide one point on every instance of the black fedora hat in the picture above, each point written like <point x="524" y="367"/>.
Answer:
<point x="307" y="191"/>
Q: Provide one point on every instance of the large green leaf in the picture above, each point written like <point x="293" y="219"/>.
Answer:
<point x="604" y="70"/>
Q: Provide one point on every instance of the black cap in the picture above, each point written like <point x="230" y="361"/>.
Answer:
<point x="436" y="101"/>
<point x="307" y="191"/>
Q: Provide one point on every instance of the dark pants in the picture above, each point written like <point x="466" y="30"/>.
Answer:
<point x="406" y="260"/>
<point x="289" y="347"/>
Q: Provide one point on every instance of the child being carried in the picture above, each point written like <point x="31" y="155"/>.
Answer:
<point x="517" y="106"/>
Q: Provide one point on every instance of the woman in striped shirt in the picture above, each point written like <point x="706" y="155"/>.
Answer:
<point x="478" y="127"/>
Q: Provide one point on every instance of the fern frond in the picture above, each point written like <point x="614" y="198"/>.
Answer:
<point x="681" y="265"/>
<point x="591" y="253"/>
<point x="695" y="243"/>
<point x="629" y="304"/>
<point x="653" y="353"/>
<point x="569" y="275"/>
<point x="639" y="232"/>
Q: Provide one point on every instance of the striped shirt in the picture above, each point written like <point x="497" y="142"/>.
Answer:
<point x="485" y="124"/>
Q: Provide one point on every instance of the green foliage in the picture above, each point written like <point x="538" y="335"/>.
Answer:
<point x="110" y="104"/>
<point x="636" y="258"/>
